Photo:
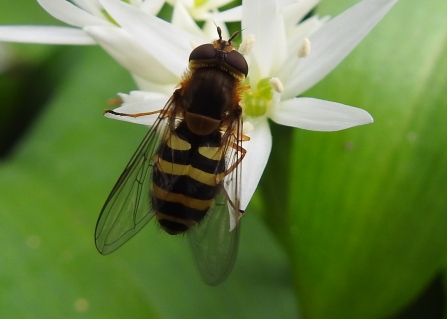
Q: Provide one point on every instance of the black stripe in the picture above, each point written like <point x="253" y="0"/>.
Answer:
<point x="185" y="185"/>
<point x="173" y="156"/>
<point x="207" y="165"/>
<point x="213" y="139"/>
<point x="172" y="227"/>
<point x="178" y="210"/>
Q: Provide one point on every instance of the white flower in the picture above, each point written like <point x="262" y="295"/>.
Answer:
<point x="202" y="10"/>
<point x="79" y="14"/>
<point x="278" y="54"/>
<point x="286" y="58"/>
<point x="95" y="22"/>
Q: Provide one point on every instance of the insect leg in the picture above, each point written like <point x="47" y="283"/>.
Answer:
<point x="239" y="160"/>
<point x="162" y="112"/>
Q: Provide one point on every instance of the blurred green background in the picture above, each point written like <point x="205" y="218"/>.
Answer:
<point x="349" y="224"/>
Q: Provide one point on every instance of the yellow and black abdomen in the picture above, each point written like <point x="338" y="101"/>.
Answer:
<point x="186" y="178"/>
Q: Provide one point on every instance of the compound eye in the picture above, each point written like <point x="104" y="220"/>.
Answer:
<point x="203" y="52"/>
<point x="237" y="61"/>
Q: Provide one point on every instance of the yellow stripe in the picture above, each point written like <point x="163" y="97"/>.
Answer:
<point x="213" y="153"/>
<point x="176" y="143"/>
<point x="182" y="199"/>
<point x="204" y="177"/>
<point x="179" y="170"/>
<point x="171" y="168"/>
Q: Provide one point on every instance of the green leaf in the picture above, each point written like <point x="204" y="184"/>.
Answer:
<point x="364" y="219"/>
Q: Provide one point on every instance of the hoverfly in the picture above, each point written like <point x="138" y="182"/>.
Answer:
<point x="186" y="170"/>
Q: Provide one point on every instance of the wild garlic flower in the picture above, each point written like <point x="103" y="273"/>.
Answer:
<point x="94" y="22"/>
<point x="286" y="52"/>
<point x="286" y="56"/>
<point x="202" y="10"/>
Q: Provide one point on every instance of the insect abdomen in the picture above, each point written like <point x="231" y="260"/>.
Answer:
<point x="186" y="178"/>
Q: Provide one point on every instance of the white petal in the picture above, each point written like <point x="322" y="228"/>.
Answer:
<point x="45" y="35"/>
<point x="165" y="41"/>
<point x="135" y="3"/>
<point x="182" y="19"/>
<point x="295" y="11"/>
<point x="145" y="85"/>
<point x="253" y="165"/>
<point x="230" y="184"/>
<point x="151" y="102"/>
<point x="139" y="96"/>
<point x="283" y="3"/>
<point x="295" y="37"/>
<point x="131" y="55"/>
<point x="201" y="10"/>
<point x="91" y="6"/>
<point x="334" y="41"/>
<point x="262" y="19"/>
<point x="213" y="4"/>
<point x="319" y="115"/>
<point x="71" y="14"/>
<point x="303" y="30"/>
<point x="152" y="6"/>
<point x="230" y="15"/>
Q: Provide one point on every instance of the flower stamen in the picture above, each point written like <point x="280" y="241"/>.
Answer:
<point x="277" y="85"/>
<point x="247" y="45"/>
<point x="304" y="49"/>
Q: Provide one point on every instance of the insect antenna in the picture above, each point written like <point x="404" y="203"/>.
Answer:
<point x="234" y="35"/>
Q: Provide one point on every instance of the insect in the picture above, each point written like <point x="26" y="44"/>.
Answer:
<point x="186" y="171"/>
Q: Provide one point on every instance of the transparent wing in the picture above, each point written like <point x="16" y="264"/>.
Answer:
<point x="215" y="241"/>
<point x="213" y="245"/>
<point x="128" y="208"/>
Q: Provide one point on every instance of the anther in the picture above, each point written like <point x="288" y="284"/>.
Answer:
<point x="247" y="45"/>
<point x="304" y="49"/>
<point x="277" y="85"/>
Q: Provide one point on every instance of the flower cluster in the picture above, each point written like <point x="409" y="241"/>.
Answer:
<point x="287" y="52"/>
